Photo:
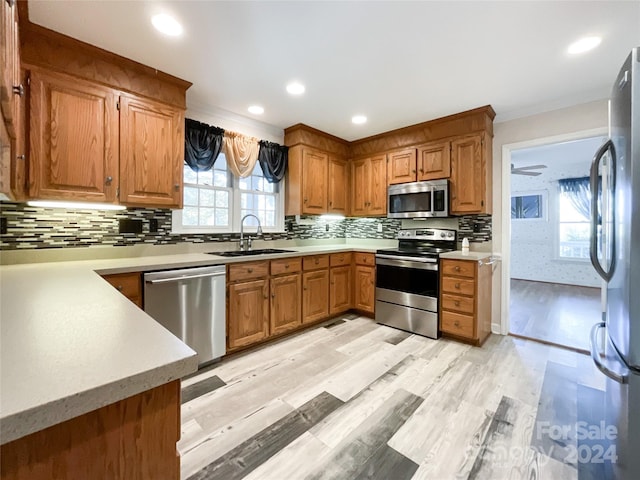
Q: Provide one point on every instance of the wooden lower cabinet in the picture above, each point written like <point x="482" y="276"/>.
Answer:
<point x="364" y="288"/>
<point x="133" y="438"/>
<point x="129" y="284"/>
<point x="315" y="295"/>
<point x="285" y="303"/>
<point x="248" y="313"/>
<point x="465" y="300"/>
<point x="339" y="289"/>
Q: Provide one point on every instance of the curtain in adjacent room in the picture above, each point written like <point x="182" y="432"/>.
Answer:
<point x="578" y="191"/>
<point x="273" y="159"/>
<point x="202" y="145"/>
<point x="241" y="153"/>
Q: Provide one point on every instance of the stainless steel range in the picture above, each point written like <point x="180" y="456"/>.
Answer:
<point x="407" y="280"/>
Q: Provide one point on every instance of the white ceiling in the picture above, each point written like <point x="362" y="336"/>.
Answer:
<point x="398" y="63"/>
<point x="579" y="152"/>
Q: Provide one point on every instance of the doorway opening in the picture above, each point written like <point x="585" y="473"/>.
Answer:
<point x="555" y="294"/>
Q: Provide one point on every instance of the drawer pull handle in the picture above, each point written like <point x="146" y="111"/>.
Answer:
<point x="273" y="295"/>
<point x="250" y="270"/>
<point x="456" y="303"/>
<point x="457" y="268"/>
<point x="317" y="261"/>
<point x="286" y="266"/>
<point x="456" y="324"/>
<point x="457" y="285"/>
<point x="119" y="287"/>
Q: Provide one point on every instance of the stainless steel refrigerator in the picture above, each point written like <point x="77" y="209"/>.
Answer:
<point x="615" y="254"/>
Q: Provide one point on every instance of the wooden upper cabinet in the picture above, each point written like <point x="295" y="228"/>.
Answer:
<point x="401" y="166"/>
<point x="470" y="185"/>
<point x="314" y="181"/>
<point x="10" y="69"/>
<point x="74" y="139"/>
<point x="151" y="153"/>
<point x="369" y="186"/>
<point x="434" y="161"/>
<point x="338" y="181"/>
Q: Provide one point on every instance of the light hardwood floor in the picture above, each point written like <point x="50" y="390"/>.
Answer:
<point x="360" y="400"/>
<point x="560" y="314"/>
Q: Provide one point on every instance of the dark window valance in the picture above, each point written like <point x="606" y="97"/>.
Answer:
<point x="273" y="159"/>
<point x="202" y="145"/>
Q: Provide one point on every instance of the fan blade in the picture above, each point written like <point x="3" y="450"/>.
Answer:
<point x="530" y="174"/>
<point x="531" y="167"/>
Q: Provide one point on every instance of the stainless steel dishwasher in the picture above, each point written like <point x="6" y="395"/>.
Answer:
<point x="190" y="303"/>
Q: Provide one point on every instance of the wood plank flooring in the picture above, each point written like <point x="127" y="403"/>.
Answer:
<point x="560" y="314"/>
<point x="358" y="400"/>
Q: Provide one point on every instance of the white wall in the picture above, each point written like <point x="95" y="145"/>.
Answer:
<point x="567" y="121"/>
<point x="534" y="242"/>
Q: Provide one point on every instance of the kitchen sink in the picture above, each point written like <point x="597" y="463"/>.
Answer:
<point x="241" y="253"/>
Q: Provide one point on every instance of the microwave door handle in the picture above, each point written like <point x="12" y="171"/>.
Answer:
<point x="593" y="250"/>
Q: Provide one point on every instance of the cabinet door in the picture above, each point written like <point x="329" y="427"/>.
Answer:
<point x="434" y="161"/>
<point x="339" y="289"/>
<point x="10" y="68"/>
<point x="467" y="175"/>
<point x="378" y="186"/>
<point x="151" y="153"/>
<point x="315" y="295"/>
<point x="364" y="288"/>
<point x="248" y="319"/>
<point x="285" y="303"/>
<point x="338" y="186"/>
<point x="359" y="187"/>
<point x="314" y="181"/>
<point x="401" y="167"/>
<point x="74" y="139"/>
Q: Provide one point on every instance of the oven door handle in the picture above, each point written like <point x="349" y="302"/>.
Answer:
<point x="408" y="262"/>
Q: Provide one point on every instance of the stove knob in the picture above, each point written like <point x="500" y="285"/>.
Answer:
<point x="450" y="235"/>
<point x="443" y="234"/>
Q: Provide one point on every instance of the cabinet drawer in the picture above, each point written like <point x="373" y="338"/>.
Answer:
<point x="458" y="285"/>
<point x="460" y="268"/>
<point x="315" y="262"/>
<point x="247" y="271"/>
<point x="340" y="259"/>
<point x="364" y="259"/>
<point x="286" y="265"/>
<point x="126" y="283"/>
<point x="457" y="303"/>
<point x="457" y="324"/>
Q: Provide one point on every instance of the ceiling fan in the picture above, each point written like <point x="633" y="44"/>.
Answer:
<point x="527" y="170"/>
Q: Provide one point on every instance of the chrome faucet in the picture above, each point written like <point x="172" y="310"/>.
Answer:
<point x="258" y="232"/>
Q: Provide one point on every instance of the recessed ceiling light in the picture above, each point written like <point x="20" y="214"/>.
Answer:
<point x="359" y="119"/>
<point x="295" y="88"/>
<point x="584" y="45"/>
<point x="256" y="109"/>
<point x="166" y="24"/>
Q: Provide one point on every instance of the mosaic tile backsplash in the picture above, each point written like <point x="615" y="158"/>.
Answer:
<point x="36" y="227"/>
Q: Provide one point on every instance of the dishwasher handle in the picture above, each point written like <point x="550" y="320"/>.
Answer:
<point x="185" y="277"/>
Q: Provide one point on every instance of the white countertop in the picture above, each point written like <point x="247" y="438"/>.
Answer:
<point x="460" y="255"/>
<point x="70" y="343"/>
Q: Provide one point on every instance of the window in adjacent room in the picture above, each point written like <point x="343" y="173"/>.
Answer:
<point x="215" y="201"/>
<point x="528" y="206"/>
<point x="574" y="218"/>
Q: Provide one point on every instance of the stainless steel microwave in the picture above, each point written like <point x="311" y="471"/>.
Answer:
<point x="419" y="199"/>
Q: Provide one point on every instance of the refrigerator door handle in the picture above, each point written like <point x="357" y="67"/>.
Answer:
<point x="593" y="250"/>
<point x="595" y="356"/>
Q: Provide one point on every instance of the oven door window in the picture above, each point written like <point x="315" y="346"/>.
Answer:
<point x="410" y="202"/>
<point x="409" y="280"/>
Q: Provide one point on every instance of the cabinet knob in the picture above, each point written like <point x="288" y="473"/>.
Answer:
<point x="305" y="288"/>
<point x="457" y="268"/>
<point x="456" y="303"/>
<point x="421" y="171"/>
<point x="413" y="171"/>
<point x="330" y="204"/>
<point x="119" y="287"/>
<point x="21" y="157"/>
<point x="273" y="295"/>
<point x="456" y="323"/>
<point x="286" y="266"/>
<point x="18" y="89"/>
<point x="177" y="187"/>
<point x="305" y="200"/>
<point x="108" y="180"/>
<point x="457" y="285"/>
<point x="317" y="261"/>
<point x="266" y="297"/>
<point x="250" y="270"/>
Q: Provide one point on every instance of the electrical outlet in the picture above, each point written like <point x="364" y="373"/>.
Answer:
<point x="153" y="225"/>
<point x="326" y="227"/>
<point x="379" y="228"/>
<point x="476" y="227"/>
